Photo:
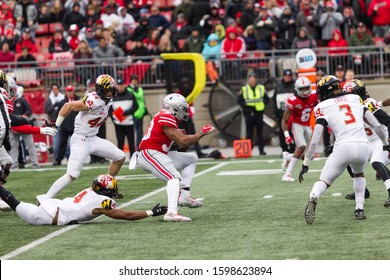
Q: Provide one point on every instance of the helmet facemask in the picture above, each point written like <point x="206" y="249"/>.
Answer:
<point x="106" y="87"/>
<point x="303" y="87"/>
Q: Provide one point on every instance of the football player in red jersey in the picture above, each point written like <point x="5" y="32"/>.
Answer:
<point x="155" y="154"/>
<point x="299" y="108"/>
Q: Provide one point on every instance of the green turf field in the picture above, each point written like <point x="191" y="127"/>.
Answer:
<point x="248" y="213"/>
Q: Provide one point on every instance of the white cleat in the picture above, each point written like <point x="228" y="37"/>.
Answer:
<point x="190" y="202"/>
<point x="287" y="178"/>
<point x="285" y="161"/>
<point x="175" y="217"/>
<point x="4" y="206"/>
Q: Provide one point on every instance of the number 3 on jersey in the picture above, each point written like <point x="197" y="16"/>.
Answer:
<point x="346" y="109"/>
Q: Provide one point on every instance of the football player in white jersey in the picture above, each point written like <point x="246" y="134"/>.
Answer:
<point x="5" y="125"/>
<point x="378" y="158"/>
<point x="93" y="110"/>
<point x="156" y="156"/>
<point x="85" y="206"/>
<point x="343" y="113"/>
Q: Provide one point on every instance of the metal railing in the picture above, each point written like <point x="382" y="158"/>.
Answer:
<point x="367" y="62"/>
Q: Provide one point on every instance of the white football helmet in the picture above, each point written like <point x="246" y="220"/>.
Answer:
<point x="12" y="88"/>
<point x="303" y="87"/>
<point x="177" y="105"/>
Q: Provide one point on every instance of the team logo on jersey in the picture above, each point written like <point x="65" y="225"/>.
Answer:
<point x="318" y="113"/>
<point x="107" y="203"/>
<point x="371" y="105"/>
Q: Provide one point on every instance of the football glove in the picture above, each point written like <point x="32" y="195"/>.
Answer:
<point x="328" y="150"/>
<point x="289" y="140"/>
<point x="304" y="170"/>
<point x="159" y="210"/>
<point x="386" y="148"/>
<point x="207" y="129"/>
<point x="48" y="131"/>
<point x="47" y="124"/>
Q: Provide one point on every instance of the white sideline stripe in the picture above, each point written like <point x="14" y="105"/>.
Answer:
<point x="86" y="167"/>
<point x="67" y="228"/>
<point x="256" y="172"/>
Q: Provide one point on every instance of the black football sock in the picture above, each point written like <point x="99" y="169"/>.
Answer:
<point x="8" y="198"/>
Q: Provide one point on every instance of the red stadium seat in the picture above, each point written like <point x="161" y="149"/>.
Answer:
<point x="167" y="15"/>
<point x="42" y="30"/>
<point x="43" y="43"/>
<point x="43" y="58"/>
<point x="54" y="26"/>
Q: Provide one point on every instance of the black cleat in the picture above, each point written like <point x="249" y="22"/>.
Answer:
<point x="351" y="196"/>
<point x="359" y="214"/>
<point x="387" y="203"/>
<point x="310" y="210"/>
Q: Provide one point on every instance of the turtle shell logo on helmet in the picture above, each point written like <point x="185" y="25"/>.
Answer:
<point x="328" y="87"/>
<point x="105" y="185"/>
<point x="105" y="84"/>
<point x="355" y="86"/>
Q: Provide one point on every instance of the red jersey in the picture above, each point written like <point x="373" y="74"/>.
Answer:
<point x="301" y="108"/>
<point x="155" y="138"/>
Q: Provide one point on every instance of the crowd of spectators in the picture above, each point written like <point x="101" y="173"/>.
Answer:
<point x="99" y="29"/>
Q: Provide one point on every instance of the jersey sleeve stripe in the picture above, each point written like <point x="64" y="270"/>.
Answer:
<point x="168" y="122"/>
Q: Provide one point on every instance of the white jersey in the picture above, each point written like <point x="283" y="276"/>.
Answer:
<point x="78" y="208"/>
<point x="87" y="123"/>
<point x="344" y="115"/>
<point x="4" y="117"/>
<point x="373" y="106"/>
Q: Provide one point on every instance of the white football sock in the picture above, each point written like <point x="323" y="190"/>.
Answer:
<point x="359" y="186"/>
<point x="319" y="188"/>
<point x="291" y="165"/>
<point x="173" y="194"/>
<point x="58" y="185"/>
<point x="387" y="184"/>
<point x="187" y="174"/>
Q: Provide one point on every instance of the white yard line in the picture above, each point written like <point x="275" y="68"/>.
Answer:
<point x="67" y="228"/>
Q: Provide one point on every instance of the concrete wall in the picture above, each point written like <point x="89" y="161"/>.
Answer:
<point x="378" y="89"/>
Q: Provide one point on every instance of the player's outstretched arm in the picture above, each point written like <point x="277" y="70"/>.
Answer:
<point x="68" y="107"/>
<point x="384" y="103"/>
<point x="131" y="215"/>
<point x="183" y="140"/>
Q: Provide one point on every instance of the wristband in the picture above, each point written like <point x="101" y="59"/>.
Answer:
<point x="59" y="121"/>
<point x="306" y="161"/>
<point x="286" y="133"/>
<point x="380" y="103"/>
<point x="201" y="133"/>
<point x="149" y="213"/>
